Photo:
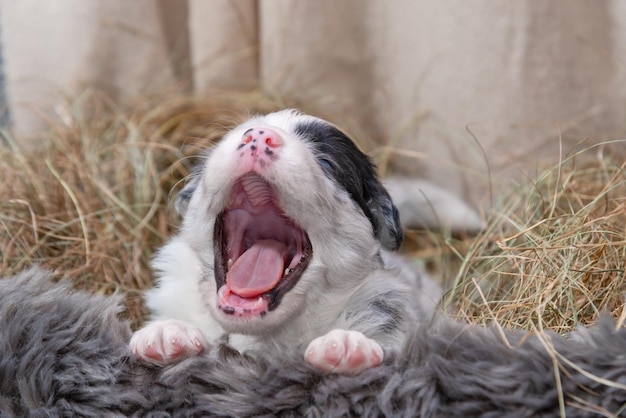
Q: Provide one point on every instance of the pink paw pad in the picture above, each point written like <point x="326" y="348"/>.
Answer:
<point x="164" y="342"/>
<point x="344" y="351"/>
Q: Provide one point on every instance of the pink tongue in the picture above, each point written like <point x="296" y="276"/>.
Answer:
<point x="258" y="269"/>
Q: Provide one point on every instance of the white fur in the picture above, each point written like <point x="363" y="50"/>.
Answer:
<point x="345" y="275"/>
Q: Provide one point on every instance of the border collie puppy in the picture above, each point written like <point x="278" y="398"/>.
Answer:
<point x="283" y="244"/>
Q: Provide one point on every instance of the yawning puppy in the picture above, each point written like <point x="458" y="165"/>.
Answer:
<point x="282" y="244"/>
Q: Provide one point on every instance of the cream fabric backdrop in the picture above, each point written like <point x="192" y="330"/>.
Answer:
<point x="414" y="74"/>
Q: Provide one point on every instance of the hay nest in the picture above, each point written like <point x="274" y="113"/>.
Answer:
<point x="91" y="204"/>
<point x="553" y="255"/>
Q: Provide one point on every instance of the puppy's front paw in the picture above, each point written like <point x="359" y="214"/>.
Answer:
<point x="167" y="341"/>
<point x="344" y="351"/>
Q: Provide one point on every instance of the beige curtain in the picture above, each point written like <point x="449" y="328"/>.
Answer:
<point x="444" y="82"/>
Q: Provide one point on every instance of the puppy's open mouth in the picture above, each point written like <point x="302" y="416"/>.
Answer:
<point x="260" y="253"/>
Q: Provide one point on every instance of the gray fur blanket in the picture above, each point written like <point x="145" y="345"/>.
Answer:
<point x="64" y="353"/>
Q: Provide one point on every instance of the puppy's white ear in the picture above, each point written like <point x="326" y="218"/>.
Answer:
<point x="183" y="198"/>
<point x="383" y="215"/>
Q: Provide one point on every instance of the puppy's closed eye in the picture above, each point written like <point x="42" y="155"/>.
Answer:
<point x="184" y="196"/>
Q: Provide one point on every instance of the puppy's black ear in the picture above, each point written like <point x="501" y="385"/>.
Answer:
<point x="183" y="198"/>
<point x="383" y="215"/>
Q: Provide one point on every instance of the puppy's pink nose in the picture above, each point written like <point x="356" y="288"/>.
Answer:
<point x="262" y="136"/>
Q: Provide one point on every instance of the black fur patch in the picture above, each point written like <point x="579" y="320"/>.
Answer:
<point x="351" y="169"/>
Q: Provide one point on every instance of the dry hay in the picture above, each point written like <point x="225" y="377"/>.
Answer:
<point x="92" y="205"/>
<point x="554" y="252"/>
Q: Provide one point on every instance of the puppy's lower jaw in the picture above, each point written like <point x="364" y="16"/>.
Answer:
<point x="344" y="351"/>
<point x="167" y="341"/>
<point x="232" y="304"/>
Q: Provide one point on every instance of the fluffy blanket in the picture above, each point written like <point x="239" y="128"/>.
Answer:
<point x="64" y="353"/>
